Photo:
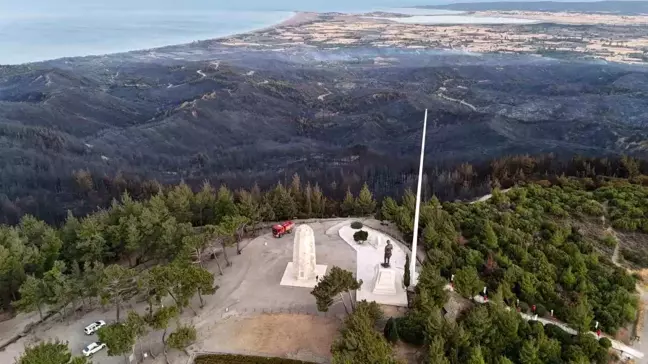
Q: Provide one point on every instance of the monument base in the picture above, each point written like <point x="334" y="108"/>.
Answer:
<point x="290" y="276"/>
<point x="385" y="283"/>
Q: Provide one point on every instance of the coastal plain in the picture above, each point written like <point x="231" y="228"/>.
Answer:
<point x="610" y="37"/>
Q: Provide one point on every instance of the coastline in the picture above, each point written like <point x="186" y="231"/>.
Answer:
<point x="295" y="18"/>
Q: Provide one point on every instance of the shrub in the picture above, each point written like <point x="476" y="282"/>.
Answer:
<point x="524" y="307"/>
<point x="605" y="342"/>
<point x="541" y="310"/>
<point x="356" y="225"/>
<point x="406" y="277"/>
<point x="391" y="331"/>
<point x="410" y="330"/>
<point x="360" y="236"/>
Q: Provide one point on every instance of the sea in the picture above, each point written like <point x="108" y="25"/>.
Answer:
<point x="37" y="30"/>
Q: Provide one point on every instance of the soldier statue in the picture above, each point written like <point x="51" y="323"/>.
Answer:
<point x="388" y="253"/>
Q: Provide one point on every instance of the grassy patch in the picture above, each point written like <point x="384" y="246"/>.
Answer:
<point x="244" y="359"/>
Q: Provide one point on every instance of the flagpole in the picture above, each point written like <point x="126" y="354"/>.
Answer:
<point x="418" y="205"/>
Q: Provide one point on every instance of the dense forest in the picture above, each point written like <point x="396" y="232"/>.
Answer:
<point x="527" y="247"/>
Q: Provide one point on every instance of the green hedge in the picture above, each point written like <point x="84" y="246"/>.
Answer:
<point x="243" y="359"/>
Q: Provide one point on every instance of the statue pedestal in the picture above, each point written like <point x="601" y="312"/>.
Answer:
<point x="385" y="282"/>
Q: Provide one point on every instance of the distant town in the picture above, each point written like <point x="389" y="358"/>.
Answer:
<point x="608" y="37"/>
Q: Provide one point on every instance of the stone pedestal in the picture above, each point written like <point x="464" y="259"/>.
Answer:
<point x="303" y="270"/>
<point x="385" y="281"/>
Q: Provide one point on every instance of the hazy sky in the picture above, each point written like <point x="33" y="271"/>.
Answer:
<point x="45" y="6"/>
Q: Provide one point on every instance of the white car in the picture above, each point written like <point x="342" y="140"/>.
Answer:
<point x="93" y="348"/>
<point x="93" y="327"/>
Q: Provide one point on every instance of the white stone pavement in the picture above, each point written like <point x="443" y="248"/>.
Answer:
<point x="369" y="256"/>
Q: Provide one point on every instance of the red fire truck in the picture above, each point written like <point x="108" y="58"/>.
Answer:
<point x="284" y="228"/>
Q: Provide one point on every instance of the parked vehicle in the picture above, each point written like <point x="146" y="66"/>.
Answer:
<point x="280" y="229"/>
<point x="93" y="348"/>
<point x="93" y="327"/>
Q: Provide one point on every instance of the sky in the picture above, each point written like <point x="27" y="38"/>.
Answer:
<point x="52" y="6"/>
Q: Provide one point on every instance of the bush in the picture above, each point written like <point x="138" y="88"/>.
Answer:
<point x="391" y="331"/>
<point x="356" y="225"/>
<point x="244" y="359"/>
<point x="605" y="342"/>
<point x="541" y="310"/>
<point x="409" y="330"/>
<point x="524" y="307"/>
<point x="360" y="236"/>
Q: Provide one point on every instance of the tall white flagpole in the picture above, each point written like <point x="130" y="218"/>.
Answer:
<point x="417" y="211"/>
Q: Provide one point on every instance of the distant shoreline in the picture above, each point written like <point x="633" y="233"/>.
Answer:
<point x="295" y="19"/>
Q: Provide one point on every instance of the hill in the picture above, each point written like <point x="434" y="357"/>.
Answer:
<point x="244" y="116"/>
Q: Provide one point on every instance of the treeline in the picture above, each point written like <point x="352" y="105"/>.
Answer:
<point x="49" y="196"/>
<point x="61" y="265"/>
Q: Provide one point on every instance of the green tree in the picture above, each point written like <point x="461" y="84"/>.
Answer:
<point x="230" y="231"/>
<point x="249" y="207"/>
<point x="138" y="326"/>
<point x="179" y="200"/>
<point x="391" y="331"/>
<point x="359" y="342"/>
<point x="389" y="209"/>
<point x="118" y="337"/>
<point x="529" y="353"/>
<point x="436" y="351"/>
<point x="476" y="356"/>
<point x="49" y="352"/>
<point x="365" y="203"/>
<point x="282" y="202"/>
<point x="318" y="202"/>
<point x="90" y="242"/>
<point x="349" y="206"/>
<point x="182" y="337"/>
<point x="406" y="269"/>
<point x="581" y="316"/>
<point x="204" y="205"/>
<point x="225" y="205"/>
<point x="118" y="284"/>
<point x="334" y="283"/>
<point x="489" y="236"/>
<point x="160" y="321"/>
<point x="467" y="281"/>
<point x="504" y="360"/>
<point x="33" y="296"/>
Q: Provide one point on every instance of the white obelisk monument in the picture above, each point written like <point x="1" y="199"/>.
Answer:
<point x="303" y="270"/>
<point x="412" y="268"/>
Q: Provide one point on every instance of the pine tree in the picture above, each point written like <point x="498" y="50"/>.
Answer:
<point x="365" y="204"/>
<point x="282" y="203"/>
<point x="529" y="353"/>
<point x="489" y="236"/>
<point x="225" y="205"/>
<point x="391" y="331"/>
<point x="348" y="207"/>
<point x="296" y="191"/>
<point x="406" y="276"/>
<point x="308" y="201"/>
<point x="476" y="356"/>
<point x="318" y="201"/>
<point x="389" y="209"/>
<point x="436" y="351"/>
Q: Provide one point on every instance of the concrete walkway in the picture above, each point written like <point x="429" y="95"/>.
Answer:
<point x="369" y="255"/>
